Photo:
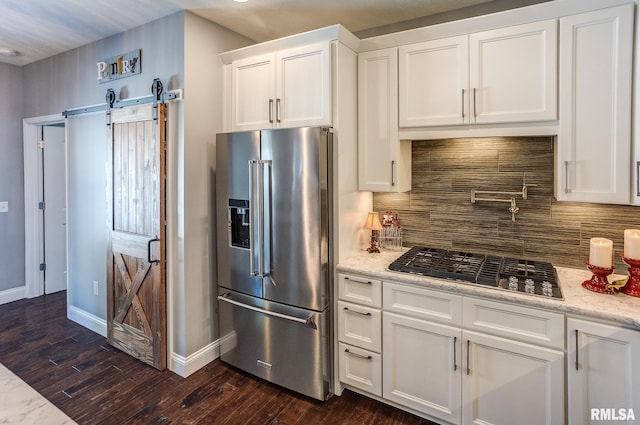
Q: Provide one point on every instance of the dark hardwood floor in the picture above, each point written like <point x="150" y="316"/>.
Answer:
<point x="94" y="383"/>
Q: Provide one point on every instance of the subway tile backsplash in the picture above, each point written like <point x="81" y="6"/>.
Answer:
<point x="438" y="211"/>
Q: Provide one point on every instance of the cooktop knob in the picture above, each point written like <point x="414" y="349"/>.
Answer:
<point x="529" y="286"/>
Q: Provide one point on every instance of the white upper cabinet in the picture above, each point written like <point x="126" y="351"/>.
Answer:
<point x="384" y="162"/>
<point x="513" y="73"/>
<point x="499" y="76"/>
<point x="253" y="91"/>
<point x="289" y="88"/>
<point x="303" y="86"/>
<point x="594" y="140"/>
<point x="434" y="82"/>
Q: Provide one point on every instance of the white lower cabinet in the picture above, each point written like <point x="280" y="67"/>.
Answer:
<point x="359" y="317"/>
<point x="359" y="326"/>
<point x="452" y="358"/>
<point x="421" y="366"/>
<point x="360" y="368"/>
<point x="510" y="382"/>
<point x="603" y="373"/>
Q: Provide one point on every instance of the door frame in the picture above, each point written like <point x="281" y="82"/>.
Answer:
<point x="34" y="284"/>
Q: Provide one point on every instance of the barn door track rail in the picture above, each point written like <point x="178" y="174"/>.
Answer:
<point x="157" y="96"/>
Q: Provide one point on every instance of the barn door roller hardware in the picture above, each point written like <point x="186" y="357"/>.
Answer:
<point x="513" y="207"/>
<point x="157" y="96"/>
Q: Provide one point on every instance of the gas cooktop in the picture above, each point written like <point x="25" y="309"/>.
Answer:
<point x="511" y="274"/>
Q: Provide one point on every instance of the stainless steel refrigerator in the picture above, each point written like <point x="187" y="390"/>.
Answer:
<point x="274" y="249"/>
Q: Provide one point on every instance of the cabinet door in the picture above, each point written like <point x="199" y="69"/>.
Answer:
<point x="421" y="366"/>
<point x="513" y="73"/>
<point x="594" y="140"/>
<point x="253" y="93"/>
<point x="434" y="82"/>
<point x="303" y="86"/>
<point x="603" y="371"/>
<point x="511" y="383"/>
<point x="384" y="163"/>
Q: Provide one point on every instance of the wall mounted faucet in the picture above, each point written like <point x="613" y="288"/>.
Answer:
<point x="513" y="207"/>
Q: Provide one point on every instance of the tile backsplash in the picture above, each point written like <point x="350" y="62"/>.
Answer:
<point x="438" y="211"/>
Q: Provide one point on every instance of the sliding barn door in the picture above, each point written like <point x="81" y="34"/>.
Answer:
<point x="136" y="312"/>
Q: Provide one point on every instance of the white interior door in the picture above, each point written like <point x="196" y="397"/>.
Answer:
<point x="55" y="211"/>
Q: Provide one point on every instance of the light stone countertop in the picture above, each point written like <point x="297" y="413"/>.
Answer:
<point x="621" y="309"/>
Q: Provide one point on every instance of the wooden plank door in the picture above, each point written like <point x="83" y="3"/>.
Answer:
<point x="136" y="299"/>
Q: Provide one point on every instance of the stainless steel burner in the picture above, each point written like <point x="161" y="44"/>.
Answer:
<point x="511" y="274"/>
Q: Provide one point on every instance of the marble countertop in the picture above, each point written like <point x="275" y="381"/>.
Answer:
<point x="619" y="308"/>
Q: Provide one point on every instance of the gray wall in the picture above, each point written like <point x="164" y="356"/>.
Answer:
<point x="68" y="81"/>
<point x="11" y="178"/>
<point x="202" y="120"/>
<point x="438" y="211"/>
<point x="182" y="50"/>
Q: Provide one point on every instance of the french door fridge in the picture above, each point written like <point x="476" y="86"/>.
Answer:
<point x="274" y="242"/>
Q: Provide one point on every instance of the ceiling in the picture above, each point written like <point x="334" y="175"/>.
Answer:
<point x="37" y="29"/>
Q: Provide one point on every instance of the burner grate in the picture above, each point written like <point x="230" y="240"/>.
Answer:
<point x="529" y="269"/>
<point x="489" y="270"/>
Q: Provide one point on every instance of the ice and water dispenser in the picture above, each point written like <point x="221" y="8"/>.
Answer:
<point x="239" y="223"/>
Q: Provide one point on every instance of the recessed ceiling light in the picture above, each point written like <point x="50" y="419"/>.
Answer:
<point x="5" y="51"/>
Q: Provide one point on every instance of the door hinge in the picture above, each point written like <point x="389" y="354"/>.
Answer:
<point x="40" y="144"/>
<point x="42" y="205"/>
<point x="43" y="267"/>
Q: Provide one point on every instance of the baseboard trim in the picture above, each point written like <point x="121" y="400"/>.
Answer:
<point x="87" y="320"/>
<point x="185" y="366"/>
<point x="11" y="295"/>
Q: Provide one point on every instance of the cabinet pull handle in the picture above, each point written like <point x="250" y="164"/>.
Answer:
<point x="462" y="103"/>
<point x="468" y="366"/>
<point x="270" y="111"/>
<point x="277" y="110"/>
<point x="475" y="113"/>
<point x="346" y="350"/>
<point x="577" y="365"/>
<point x="455" y="342"/>
<point x="393" y="174"/>
<point x="368" y="282"/>
<point x="566" y="177"/>
<point x="637" y="178"/>
<point x="357" y="312"/>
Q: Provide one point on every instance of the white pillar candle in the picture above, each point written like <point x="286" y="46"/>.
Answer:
<point x="632" y="244"/>
<point x="601" y="252"/>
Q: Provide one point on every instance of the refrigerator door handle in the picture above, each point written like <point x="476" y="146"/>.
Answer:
<point x="252" y="220"/>
<point x="260" y="209"/>
<point x="307" y="321"/>
<point x="258" y="221"/>
<point x="264" y="212"/>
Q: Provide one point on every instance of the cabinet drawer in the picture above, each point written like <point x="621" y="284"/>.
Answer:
<point x="360" y="326"/>
<point x="360" y="290"/>
<point x="511" y="321"/>
<point x="361" y="369"/>
<point x="422" y="303"/>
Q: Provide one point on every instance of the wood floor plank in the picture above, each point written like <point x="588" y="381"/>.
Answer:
<point x="94" y="383"/>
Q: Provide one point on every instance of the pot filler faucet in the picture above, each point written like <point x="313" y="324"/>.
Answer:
<point x="513" y="207"/>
